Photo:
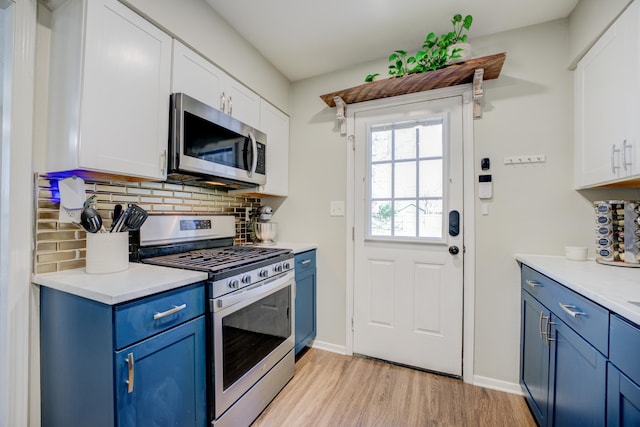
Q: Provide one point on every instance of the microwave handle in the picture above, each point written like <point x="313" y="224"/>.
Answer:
<point x="254" y="157"/>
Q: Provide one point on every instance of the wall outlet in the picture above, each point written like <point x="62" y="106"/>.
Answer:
<point x="336" y="208"/>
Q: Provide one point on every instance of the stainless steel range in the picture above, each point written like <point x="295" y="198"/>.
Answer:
<point x="251" y="291"/>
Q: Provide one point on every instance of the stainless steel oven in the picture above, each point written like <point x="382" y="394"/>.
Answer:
<point x="250" y="313"/>
<point x="253" y="333"/>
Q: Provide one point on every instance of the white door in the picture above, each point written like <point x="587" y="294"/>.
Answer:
<point x="408" y="277"/>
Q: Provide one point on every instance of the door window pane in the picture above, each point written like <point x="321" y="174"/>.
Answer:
<point x="381" y="216"/>
<point x="431" y="140"/>
<point x="405" y="179"/>
<point x="405" y="144"/>
<point x="431" y="178"/>
<point x="381" y="145"/>
<point x="406" y="176"/>
<point x="430" y="219"/>
<point x="405" y="219"/>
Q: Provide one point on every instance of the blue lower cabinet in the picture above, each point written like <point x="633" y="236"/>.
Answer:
<point x="159" y="380"/>
<point x="305" y="311"/>
<point x="623" y="400"/>
<point x="89" y="379"/>
<point x="578" y="395"/>
<point x="534" y="363"/>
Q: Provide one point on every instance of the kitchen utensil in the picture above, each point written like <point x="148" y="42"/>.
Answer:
<point x="117" y="211"/>
<point x="91" y="220"/>
<point x="119" y="225"/>
<point x="136" y="217"/>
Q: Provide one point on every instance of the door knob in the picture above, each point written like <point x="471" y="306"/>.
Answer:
<point x="454" y="250"/>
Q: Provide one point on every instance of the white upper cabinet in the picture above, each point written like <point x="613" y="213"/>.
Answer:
<point x="197" y="77"/>
<point x="109" y="91"/>
<point x="607" y="106"/>
<point x="275" y="124"/>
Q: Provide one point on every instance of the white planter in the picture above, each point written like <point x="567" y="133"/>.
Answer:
<point x="464" y="52"/>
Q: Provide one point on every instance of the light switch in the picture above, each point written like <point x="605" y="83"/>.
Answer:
<point x="336" y="208"/>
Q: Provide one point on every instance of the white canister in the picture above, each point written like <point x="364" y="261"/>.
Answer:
<point x="107" y="252"/>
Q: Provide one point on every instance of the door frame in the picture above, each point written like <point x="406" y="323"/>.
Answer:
<point x="468" y="205"/>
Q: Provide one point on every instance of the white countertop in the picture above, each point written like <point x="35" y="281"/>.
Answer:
<point x="610" y="286"/>
<point x="139" y="280"/>
<point x="297" y="248"/>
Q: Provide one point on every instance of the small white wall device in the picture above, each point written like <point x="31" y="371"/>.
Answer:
<point x="485" y="187"/>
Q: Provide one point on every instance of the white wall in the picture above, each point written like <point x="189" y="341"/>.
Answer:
<point x="529" y="110"/>
<point x="198" y="25"/>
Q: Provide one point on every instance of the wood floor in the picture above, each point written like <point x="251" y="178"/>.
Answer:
<point x="329" y="389"/>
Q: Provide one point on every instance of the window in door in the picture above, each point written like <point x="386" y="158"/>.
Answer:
<point x="406" y="180"/>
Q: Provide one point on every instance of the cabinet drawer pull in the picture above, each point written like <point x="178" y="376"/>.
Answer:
<point x="533" y="283"/>
<point x="570" y="310"/>
<point x="175" y="309"/>
<point x="131" y="373"/>
<point x="306" y="261"/>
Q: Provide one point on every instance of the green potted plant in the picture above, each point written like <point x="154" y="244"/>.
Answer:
<point x="436" y="52"/>
<point x="460" y="50"/>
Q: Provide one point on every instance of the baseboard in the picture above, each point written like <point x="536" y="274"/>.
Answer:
<point x="513" y="388"/>
<point x="321" y="345"/>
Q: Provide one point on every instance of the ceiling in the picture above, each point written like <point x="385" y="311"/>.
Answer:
<point x="304" y="38"/>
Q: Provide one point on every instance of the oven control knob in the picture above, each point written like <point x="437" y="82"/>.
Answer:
<point x="233" y="284"/>
<point x="246" y="279"/>
<point x="287" y="266"/>
<point x="264" y="273"/>
<point x="277" y="268"/>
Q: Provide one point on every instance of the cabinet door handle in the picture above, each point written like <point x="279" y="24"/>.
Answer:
<point x="223" y="102"/>
<point x="548" y="332"/>
<point x="542" y="317"/>
<point x="306" y="261"/>
<point x="230" y="106"/>
<point x="626" y="147"/>
<point x="613" y="159"/>
<point x="533" y="283"/>
<point x="129" y="382"/>
<point x="175" y="309"/>
<point x="571" y="310"/>
<point x="163" y="162"/>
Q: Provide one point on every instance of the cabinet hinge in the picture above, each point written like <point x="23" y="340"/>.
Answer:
<point x="353" y="234"/>
<point x="352" y="138"/>
<point x="353" y="328"/>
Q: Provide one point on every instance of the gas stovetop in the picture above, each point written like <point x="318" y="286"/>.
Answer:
<point x="205" y="243"/>
<point x="215" y="260"/>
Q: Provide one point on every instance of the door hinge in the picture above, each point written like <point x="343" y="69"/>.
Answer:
<point x="353" y="234"/>
<point x="353" y="328"/>
<point x="352" y="138"/>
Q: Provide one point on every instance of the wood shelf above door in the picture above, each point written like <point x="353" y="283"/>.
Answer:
<point x="451" y="75"/>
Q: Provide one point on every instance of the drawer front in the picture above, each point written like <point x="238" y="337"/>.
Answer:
<point x="305" y="262"/>
<point x="624" y="347"/>
<point x="145" y="317"/>
<point x="587" y="318"/>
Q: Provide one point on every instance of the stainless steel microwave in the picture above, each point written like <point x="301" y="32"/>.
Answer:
<point x="208" y="146"/>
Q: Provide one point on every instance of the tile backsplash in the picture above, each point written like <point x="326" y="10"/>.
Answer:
<point x="62" y="246"/>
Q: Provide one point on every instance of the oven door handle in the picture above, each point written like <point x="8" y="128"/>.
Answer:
<point x="254" y="155"/>
<point x="251" y="294"/>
